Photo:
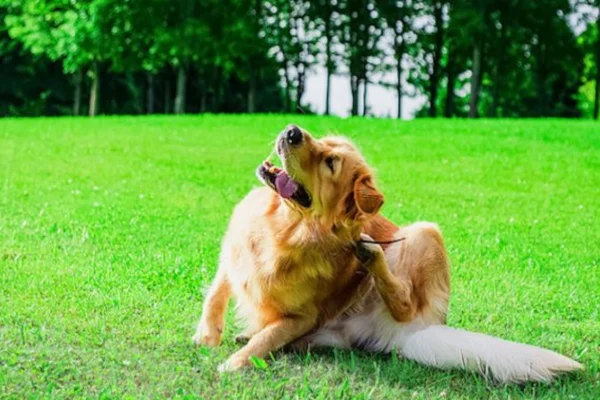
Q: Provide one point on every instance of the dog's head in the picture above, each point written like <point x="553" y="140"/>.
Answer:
<point x="322" y="178"/>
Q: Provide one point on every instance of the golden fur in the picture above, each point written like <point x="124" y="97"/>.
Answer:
<point x="301" y="279"/>
<point x="292" y="269"/>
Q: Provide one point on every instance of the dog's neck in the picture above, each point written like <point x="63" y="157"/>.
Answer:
<point x="295" y="228"/>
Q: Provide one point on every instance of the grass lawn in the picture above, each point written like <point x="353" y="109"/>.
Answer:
<point x="109" y="227"/>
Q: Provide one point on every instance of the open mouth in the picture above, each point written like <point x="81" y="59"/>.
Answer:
<point x="283" y="184"/>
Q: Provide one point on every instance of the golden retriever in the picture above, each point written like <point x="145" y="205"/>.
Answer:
<point x="299" y="257"/>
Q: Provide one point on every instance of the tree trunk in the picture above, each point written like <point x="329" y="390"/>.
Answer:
<point x="365" y="109"/>
<point x="475" y="80"/>
<point x="437" y="58"/>
<point x="597" y="95"/>
<point x="399" y="91"/>
<point x="77" y="95"/>
<point x="328" y="63"/>
<point x="149" y="93"/>
<point x="252" y="91"/>
<point x="328" y="92"/>
<point x="288" y="91"/>
<point x="203" y="95"/>
<point x="168" y="94"/>
<point x="137" y="95"/>
<point x="541" y="81"/>
<point x="495" y="91"/>
<point x="399" y="88"/>
<point x="95" y="90"/>
<point x="450" y="83"/>
<point x="221" y="90"/>
<point x="354" y="82"/>
<point x="181" y="88"/>
<point x="301" y="72"/>
<point x="498" y="71"/>
<point x="449" y="109"/>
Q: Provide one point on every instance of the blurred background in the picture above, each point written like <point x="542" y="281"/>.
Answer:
<point x="399" y="59"/>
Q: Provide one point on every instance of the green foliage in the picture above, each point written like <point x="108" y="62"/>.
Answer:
<point x="21" y="90"/>
<point x="256" y="55"/>
<point x="531" y="64"/>
<point x="361" y="31"/>
<point x="588" y="42"/>
<point x="62" y="30"/>
<point x="111" y="227"/>
<point x="292" y="35"/>
<point x="325" y="14"/>
<point x="585" y="98"/>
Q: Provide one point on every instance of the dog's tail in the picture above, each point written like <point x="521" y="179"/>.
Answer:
<point x="444" y="347"/>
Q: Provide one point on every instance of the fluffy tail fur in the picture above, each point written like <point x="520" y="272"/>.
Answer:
<point x="444" y="347"/>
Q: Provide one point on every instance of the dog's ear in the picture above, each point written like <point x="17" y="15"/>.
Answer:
<point x="367" y="198"/>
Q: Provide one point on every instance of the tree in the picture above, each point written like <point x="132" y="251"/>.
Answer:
<point x="434" y="79"/>
<point x="428" y="52"/>
<point x="254" y="50"/>
<point x="294" y="42"/>
<point x="240" y="49"/>
<point x="597" y="91"/>
<point x="327" y="16"/>
<point x="467" y="31"/>
<point x="498" y="58"/>
<point x="556" y="59"/>
<point x="68" y="32"/>
<point x="478" y="32"/>
<point x="30" y="84"/>
<point x="134" y="26"/>
<point x="184" y="38"/>
<point x="361" y="32"/>
<point x="589" y="41"/>
<point x="455" y="58"/>
<point x="399" y="16"/>
<point x="597" y="59"/>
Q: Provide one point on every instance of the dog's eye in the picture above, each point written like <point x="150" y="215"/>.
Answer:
<point x="329" y="163"/>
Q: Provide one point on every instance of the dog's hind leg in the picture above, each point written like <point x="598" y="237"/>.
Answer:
<point x="422" y="259"/>
<point x="396" y="292"/>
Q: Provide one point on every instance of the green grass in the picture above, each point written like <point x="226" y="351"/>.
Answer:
<point x="110" y="227"/>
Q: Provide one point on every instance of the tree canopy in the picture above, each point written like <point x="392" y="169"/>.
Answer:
<point x="469" y="58"/>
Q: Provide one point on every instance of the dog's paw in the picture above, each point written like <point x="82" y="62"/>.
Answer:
<point x="207" y="335"/>
<point x="367" y="252"/>
<point x="233" y="363"/>
<point x="242" y="338"/>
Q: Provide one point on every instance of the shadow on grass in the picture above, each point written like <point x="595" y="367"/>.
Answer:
<point x="382" y="375"/>
<point x="336" y="373"/>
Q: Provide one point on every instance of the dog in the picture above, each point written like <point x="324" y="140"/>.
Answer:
<point x="312" y="263"/>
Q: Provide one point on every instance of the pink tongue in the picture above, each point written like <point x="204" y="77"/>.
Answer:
<point x="285" y="185"/>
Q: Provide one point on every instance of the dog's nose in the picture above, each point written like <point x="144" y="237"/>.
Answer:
<point x="293" y="135"/>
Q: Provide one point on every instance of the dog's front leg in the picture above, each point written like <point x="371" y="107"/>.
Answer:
<point x="274" y="336"/>
<point x="395" y="292"/>
<point x="212" y="322"/>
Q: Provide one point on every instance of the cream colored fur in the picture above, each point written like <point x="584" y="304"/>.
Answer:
<point x="300" y="279"/>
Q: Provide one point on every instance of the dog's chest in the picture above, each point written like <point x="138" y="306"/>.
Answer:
<point x="288" y="281"/>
